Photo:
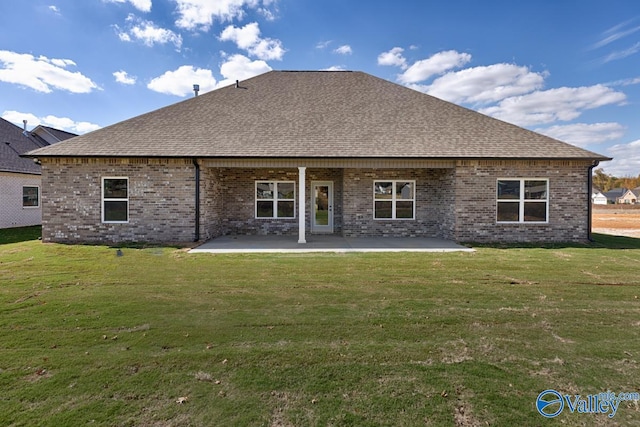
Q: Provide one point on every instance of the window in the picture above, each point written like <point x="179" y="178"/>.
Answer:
<point x="522" y="200"/>
<point x="115" y="199"/>
<point x="30" y="196"/>
<point x="394" y="199"/>
<point x="275" y="199"/>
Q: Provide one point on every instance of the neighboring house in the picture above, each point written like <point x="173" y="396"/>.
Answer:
<point x="298" y="153"/>
<point x="20" y="183"/>
<point x="614" y="194"/>
<point x="597" y="197"/>
<point x="621" y="196"/>
<point x="628" y="198"/>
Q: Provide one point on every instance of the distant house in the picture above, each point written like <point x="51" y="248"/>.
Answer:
<point x="614" y="194"/>
<point x="628" y="198"/>
<point x="621" y="196"/>
<point x="597" y="197"/>
<point x="20" y="178"/>
<point x="303" y="153"/>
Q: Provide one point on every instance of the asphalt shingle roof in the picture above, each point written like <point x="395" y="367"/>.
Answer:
<point x="316" y="114"/>
<point x="59" y="134"/>
<point x="13" y="143"/>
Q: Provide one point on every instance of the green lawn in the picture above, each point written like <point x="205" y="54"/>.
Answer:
<point x="91" y="338"/>
<point x="19" y="234"/>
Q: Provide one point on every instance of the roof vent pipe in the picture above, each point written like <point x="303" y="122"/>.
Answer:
<point x="237" y="84"/>
<point x="25" y="125"/>
<point x="196" y="89"/>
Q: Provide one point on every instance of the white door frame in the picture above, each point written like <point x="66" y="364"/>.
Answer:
<point x="321" y="228"/>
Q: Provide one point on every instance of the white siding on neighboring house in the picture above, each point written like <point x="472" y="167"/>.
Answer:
<point x="12" y="213"/>
<point x="598" y="198"/>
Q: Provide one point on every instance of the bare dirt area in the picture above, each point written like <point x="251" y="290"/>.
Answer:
<point x="617" y="222"/>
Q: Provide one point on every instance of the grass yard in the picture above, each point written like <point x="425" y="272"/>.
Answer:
<point x="158" y="337"/>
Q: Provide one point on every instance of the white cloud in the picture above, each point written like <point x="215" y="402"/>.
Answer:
<point x="124" y="78"/>
<point x="615" y="33"/>
<point x="436" y="64"/>
<point x="141" y="5"/>
<point x="244" y="37"/>
<point x="62" y="63"/>
<point x="343" y="50"/>
<point x="180" y="82"/>
<point x="248" y="38"/>
<point x="583" y="134"/>
<point x="269" y="14"/>
<point x="67" y="124"/>
<point x="42" y="74"/>
<point x="620" y="54"/>
<point x="561" y="104"/>
<point x="323" y="45"/>
<point x="63" y="123"/>
<point x="335" y="68"/>
<point x="485" y="84"/>
<point x="54" y="9"/>
<point x="17" y="117"/>
<point x="626" y="159"/>
<point x="511" y="93"/>
<point x="239" y="67"/>
<point x="200" y="14"/>
<point x="393" y="57"/>
<point x="625" y="82"/>
<point x="147" y="33"/>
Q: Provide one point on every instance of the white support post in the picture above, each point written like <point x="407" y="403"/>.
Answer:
<point x="302" y="213"/>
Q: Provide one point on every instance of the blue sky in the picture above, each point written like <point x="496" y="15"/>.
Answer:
<point x="567" y="68"/>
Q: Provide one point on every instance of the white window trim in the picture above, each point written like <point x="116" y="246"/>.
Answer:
<point x="393" y="200"/>
<point x="522" y="200"/>
<point x="274" y="200"/>
<point x="31" y="207"/>
<point x="102" y="199"/>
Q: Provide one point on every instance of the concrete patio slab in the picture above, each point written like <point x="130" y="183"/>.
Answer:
<point x="325" y="243"/>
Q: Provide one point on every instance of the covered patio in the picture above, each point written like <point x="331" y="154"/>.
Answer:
<point x="325" y="243"/>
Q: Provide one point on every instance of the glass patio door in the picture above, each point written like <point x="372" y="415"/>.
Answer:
<point x="322" y="212"/>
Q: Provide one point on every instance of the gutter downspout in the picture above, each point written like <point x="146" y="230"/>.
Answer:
<point x="197" y="201"/>
<point x="590" y="202"/>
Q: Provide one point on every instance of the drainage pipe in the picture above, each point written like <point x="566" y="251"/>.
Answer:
<point x="197" y="201"/>
<point x="589" y="200"/>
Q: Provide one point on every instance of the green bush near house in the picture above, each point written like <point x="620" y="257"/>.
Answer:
<point x="157" y="336"/>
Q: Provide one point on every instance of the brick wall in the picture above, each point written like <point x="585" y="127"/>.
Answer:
<point x="234" y="190"/>
<point x="12" y="213"/>
<point x="475" y="201"/>
<point x="161" y="200"/>
<point x="434" y="203"/>
<point x="353" y="202"/>
<point x="458" y="204"/>
<point x="212" y="206"/>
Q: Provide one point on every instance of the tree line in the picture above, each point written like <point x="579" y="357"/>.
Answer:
<point x="606" y="182"/>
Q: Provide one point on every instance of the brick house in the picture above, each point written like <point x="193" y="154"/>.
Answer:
<point x="20" y="179"/>
<point x="297" y="153"/>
